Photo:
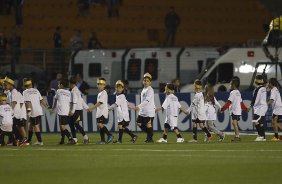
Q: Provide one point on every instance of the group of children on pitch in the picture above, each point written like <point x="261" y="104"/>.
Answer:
<point x="15" y="108"/>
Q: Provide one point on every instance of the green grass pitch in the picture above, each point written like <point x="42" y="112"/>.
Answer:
<point x="171" y="163"/>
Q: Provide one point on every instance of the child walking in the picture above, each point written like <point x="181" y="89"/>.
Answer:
<point x="236" y="105"/>
<point x="6" y="123"/>
<point x="199" y="110"/>
<point x="172" y="106"/>
<point x="102" y="112"/>
<point x="121" y="106"/>
<point x="275" y="101"/>
<point x="259" y="105"/>
<point x="146" y="108"/>
<point x="211" y="112"/>
<point x="62" y="101"/>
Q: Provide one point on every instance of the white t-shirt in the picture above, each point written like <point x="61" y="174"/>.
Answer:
<point x="6" y="114"/>
<point x="63" y="98"/>
<point x="276" y="104"/>
<point x="235" y="99"/>
<point x="147" y="106"/>
<point x="171" y="105"/>
<point x="211" y="110"/>
<point x="76" y="99"/>
<point x="14" y="97"/>
<point x="198" y="104"/>
<point x="122" y="108"/>
<point x="102" y="110"/>
<point x="260" y="105"/>
<point x="23" y="108"/>
<point x="32" y="95"/>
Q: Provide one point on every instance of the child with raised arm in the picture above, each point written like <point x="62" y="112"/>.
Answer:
<point x="102" y="112"/>
<point x="121" y="105"/>
<point x="275" y="101"/>
<point x="172" y="107"/>
<point x="236" y="105"/>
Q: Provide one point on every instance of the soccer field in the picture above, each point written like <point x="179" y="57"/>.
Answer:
<point x="214" y="162"/>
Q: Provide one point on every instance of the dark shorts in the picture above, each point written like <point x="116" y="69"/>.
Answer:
<point x="102" y="120"/>
<point x="64" y="120"/>
<point x="19" y="122"/>
<point x="124" y="123"/>
<point x="198" y="121"/>
<point x="257" y="119"/>
<point x="235" y="117"/>
<point x="35" y="120"/>
<point x="279" y="117"/>
<point x="144" y="120"/>
<point x="76" y="117"/>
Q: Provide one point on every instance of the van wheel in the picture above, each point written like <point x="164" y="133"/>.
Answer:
<point x="222" y="89"/>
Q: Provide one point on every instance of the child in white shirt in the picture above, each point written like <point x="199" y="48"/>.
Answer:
<point x="211" y="113"/>
<point x="102" y="112"/>
<point x="33" y="102"/>
<point x="236" y="106"/>
<point x="275" y="101"/>
<point x="76" y="116"/>
<point x="6" y="123"/>
<point x="146" y="108"/>
<point x="198" y="106"/>
<point x="260" y="107"/>
<point x="121" y="105"/>
<point x="62" y="100"/>
<point x="172" y="107"/>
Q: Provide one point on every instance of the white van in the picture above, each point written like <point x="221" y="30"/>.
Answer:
<point x="239" y="62"/>
<point x="93" y="64"/>
<point x="164" y="64"/>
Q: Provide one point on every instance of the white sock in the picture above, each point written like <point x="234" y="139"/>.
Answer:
<point x="75" y="139"/>
<point x="85" y="137"/>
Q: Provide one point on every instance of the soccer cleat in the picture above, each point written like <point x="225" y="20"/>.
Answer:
<point x="179" y="140"/>
<point x="38" y="143"/>
<point x="61" y="142"/>
<point x="117" y="142"/>
<point x="86" y="141"/>
<point x="149" y="141"/>
<point x="209" y="138"/>
<point x="110" y="139"/>
<point x="134" y="139"/>
<point x="275" y="139"/>
<point x="162" y="140"/>
<point x="222" y="137"/>
<point x="260" y="139"/>
<point x="236" y="139"/>
<point x="72" y="141"/>
<point x="192" y="140"/>
<point x="101" y="142"/>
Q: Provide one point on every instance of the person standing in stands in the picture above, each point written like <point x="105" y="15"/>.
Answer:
<point x="172" y="22"/>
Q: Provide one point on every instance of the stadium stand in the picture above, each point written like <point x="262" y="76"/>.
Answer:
<point x="141" y="22"/>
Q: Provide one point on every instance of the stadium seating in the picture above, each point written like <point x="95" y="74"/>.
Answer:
<point x="141" y="23"/>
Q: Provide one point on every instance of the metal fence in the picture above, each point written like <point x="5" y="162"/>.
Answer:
<point x="40" y="64"/>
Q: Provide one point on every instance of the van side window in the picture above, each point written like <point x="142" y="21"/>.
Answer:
<point x="151" y="66"/>
<point x="94" y="70"/>
<point x="225" y="72"/>
<point x="134" y="70"/>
